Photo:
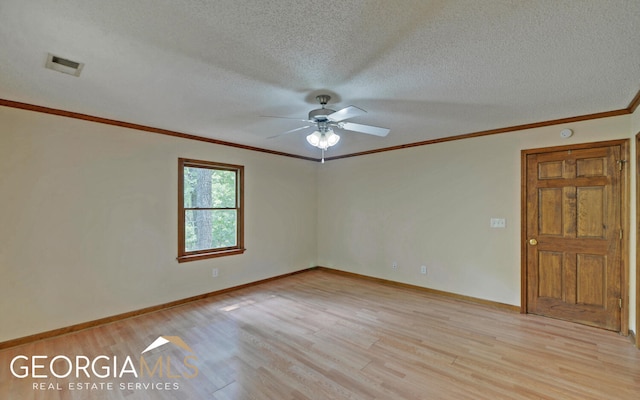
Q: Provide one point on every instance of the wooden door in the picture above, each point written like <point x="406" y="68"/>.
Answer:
<point x="573" y="235"/>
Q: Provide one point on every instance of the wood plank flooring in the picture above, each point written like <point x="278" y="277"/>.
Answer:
<point x="319" y="335"/>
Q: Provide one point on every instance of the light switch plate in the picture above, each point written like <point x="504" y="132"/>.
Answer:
<point x="498" y="223"/>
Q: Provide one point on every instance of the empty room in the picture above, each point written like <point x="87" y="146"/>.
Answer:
<point x="208" y="199"/>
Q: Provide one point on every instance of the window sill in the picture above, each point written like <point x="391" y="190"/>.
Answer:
<point x="213" y="254"/>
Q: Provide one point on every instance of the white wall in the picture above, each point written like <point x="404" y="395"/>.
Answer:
<point x="88" y="221"/>
<point x="88" y="216"/>
<point x="431" y="205"/>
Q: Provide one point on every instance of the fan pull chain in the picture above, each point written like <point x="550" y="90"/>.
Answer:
<point x="322" y="156"/>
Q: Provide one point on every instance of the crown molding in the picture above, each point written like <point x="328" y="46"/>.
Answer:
<point x="145" y="128"/>
<point x="633" y="105"/>
<point x="514" y="128"/>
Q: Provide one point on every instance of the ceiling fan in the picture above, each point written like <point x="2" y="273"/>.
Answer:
<point x="324" y="121"/>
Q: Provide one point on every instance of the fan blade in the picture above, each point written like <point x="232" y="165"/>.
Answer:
<point x="346" y="113"/>
<point x="291" y="131"/>
<point x="296" y="119"/>
<point x="368" y="129"/>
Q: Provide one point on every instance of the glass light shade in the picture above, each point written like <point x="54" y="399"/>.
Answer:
<point x="314" y="138"/>
<point x="324" y="143"/>
<point x="323" y="140"/>
<point x="332" y="138"/>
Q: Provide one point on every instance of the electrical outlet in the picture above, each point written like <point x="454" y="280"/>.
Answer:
<point x="394" y="266"/>
<point x="214" y="272"/>
<point x="423" y="269"/>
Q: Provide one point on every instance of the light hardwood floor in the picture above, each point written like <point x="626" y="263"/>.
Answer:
<point x="319" y="335"/>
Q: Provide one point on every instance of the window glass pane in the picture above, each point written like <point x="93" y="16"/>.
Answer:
<point x="209" y="188"/>
<point x="210" y="229"/>
<point x="223" y="185"/>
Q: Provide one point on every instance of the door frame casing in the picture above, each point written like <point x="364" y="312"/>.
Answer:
<point x="637" y="227"/>
<point x="624" y="220"/>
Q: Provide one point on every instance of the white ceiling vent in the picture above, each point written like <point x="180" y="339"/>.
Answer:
<point x="63" y="65"/>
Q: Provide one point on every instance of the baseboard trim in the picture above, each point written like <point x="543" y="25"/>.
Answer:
<point x="469" y="299"/>
<point x="131" y="314"/>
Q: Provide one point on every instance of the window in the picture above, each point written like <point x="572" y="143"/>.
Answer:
<point x="210" y="210"/>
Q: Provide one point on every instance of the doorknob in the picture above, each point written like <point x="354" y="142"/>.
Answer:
<point x="533" y="242"/>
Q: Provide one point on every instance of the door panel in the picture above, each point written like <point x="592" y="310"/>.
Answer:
<point x="573" y="202"/>
<point x="591" y="279"/>
<point x="550" y="203"/>
<point x="550" y="274"/>
<point x="591" y="212"/>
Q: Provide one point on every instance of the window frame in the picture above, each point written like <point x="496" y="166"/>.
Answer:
<point x="183" y="254"/>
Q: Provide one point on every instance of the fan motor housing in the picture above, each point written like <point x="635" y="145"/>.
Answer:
<point x="320" y="114"/>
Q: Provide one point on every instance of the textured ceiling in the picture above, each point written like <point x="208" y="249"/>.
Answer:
<point x="425" y="69"/>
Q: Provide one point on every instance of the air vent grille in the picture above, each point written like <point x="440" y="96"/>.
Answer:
<point x="63" y="65"/>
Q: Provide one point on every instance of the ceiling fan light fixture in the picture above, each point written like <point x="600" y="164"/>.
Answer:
<point x="323" y="140"/>
<point x="333" y="138"/>
<point x="314" y="138"/>
<point x="325" y="119"/>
